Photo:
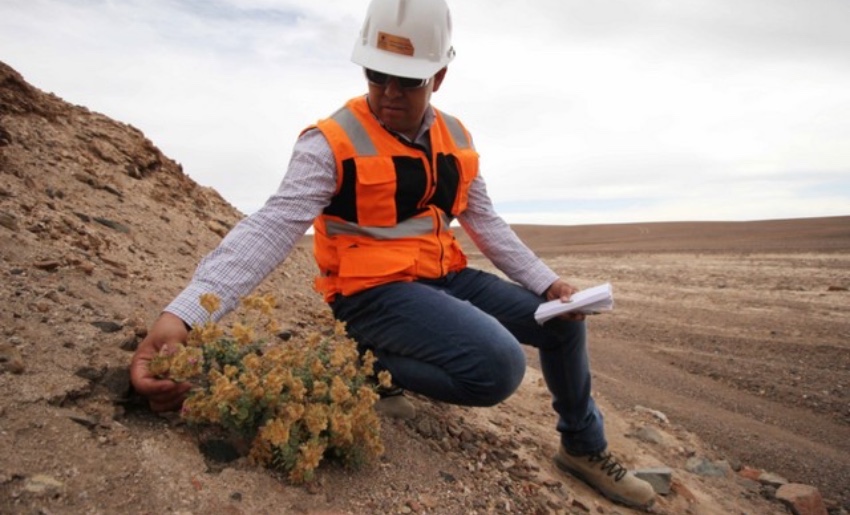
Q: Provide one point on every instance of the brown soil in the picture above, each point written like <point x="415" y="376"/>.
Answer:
<point x="737" y="333"/>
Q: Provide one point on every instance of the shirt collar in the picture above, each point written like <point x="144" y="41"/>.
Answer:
<point x="427" y="122"/>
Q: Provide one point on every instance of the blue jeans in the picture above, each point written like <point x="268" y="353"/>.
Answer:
<point x="457" y="340"/>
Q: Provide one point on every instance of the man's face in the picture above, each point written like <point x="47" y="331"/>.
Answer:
<point x="402" y="109"/>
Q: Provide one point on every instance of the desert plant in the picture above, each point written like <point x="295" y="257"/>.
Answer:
<point x="296" y="402"/>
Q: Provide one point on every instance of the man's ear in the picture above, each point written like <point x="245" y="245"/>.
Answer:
<point x="438" y="78"/>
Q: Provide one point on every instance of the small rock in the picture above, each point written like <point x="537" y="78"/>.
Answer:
<point x="750" y="473"/>
<point x="130" y="343"/>
<point x="802" y="499"/>
<point x="655" y="413"/>
<point x="84" y="420"/>
<point x="48" y="266"/>
<point x="87" y="267"/>
<point x="9" y="221"/>
<point x="216" y="228"/>
<point x="704" y="467"/>
<point x="661" y="478"/>
<point x="112" y="224"/>
<point x="91" y="373"/>
<point x="10" y="359"/>
<point x="649" y="434"/>
<point x="43" y="485"/>
<point x="769" y="478"/>
<point x="108" y="327"/>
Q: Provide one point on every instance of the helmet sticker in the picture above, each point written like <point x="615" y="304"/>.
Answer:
<point x="395" y="44"/>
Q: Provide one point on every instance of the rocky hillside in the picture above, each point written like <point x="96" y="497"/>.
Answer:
<point x="99" y="230"/>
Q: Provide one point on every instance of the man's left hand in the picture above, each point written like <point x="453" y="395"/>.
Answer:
<point x="560" y="289"/>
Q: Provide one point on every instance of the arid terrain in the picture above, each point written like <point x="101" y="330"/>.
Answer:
<point x="726" y="359"/>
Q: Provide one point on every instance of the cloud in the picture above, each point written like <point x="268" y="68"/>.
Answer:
<point x="583" y="111"/>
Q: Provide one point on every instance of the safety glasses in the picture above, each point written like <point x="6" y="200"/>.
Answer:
<point x="382" y="79"/>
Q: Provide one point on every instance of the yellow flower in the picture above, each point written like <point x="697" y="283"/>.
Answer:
<point x="385" y="379"/>
<point x="186" y="363"/>
<point x="160" y="365"/>
<point x="313" y="340"/>
<point x="349" y="372"/>
<point x="367" y="368"/>
<point x="272" y="327"/>
<point x="316" y="418"/>
<point x="320" y="390"/>
<point x="366" y="398"/>
<point x="230" y="371"/>
<point x="311" y="453"/>
<point x="276" y="432"/>
<point x="224" y="392"/>
<point x="340" y="425"/>
<point x="339" y="390"/>
<point x="269" y="302"/>
<point x="309" y="456"/>
<point x="210" y="302"/>
<point x="243" y="334"/>
<point x="292" y="412"/>
<point x="206" y="334"/>
<point x="252" y="385"/>
<point x="297" y="390"/>
<point x="275" y="379"/>
<point x="261" y="452"/>
<point x="318" y="368"/>
<point x="253" y="362"/>
<point x="339" y="356"/>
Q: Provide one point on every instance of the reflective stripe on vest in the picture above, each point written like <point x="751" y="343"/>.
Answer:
<point x="408" y="228"/>
<point x="457" y="132"/>
<point x="355" y="131"/>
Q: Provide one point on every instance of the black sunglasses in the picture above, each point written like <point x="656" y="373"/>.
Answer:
<point x="382" y="79"/>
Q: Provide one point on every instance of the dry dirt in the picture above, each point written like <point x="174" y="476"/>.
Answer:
<point x="734" y="336"/>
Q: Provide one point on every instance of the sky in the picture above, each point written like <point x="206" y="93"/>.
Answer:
<point x="584" y="112"/>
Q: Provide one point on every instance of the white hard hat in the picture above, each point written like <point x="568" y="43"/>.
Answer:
<point x="405" y="38"/>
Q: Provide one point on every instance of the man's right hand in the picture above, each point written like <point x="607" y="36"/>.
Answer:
<point x="163" y="394"/>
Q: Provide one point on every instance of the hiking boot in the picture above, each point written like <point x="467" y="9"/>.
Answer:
<point x="394" y="404"/>
<point x="604" y="473"/>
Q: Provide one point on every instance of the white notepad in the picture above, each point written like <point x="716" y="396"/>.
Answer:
<point x="591" y="300"/>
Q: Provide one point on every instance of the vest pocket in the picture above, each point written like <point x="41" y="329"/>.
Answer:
<point x="376" y="187"/>
<point x="365" y="266"/>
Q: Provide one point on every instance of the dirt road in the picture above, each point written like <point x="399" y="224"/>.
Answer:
<point x="746" y="344"/>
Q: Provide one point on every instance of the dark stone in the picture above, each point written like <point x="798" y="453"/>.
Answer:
<point x="91" y="373"/>
<point x="112" y="224"/>
<point x="108" y="327"/>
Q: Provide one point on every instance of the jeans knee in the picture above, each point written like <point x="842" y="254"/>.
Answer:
<point x="499" y="377"/>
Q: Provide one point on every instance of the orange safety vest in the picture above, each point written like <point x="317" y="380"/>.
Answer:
<point x="389" y="218"/>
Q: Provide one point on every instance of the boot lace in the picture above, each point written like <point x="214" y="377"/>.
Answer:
<point x="609" y="464"/>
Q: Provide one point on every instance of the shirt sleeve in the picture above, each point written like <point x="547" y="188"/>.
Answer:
<point x="500" y="244"/>
<point x="260" y="242"/>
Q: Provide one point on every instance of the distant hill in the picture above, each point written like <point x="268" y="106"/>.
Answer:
<point x="810" y="234"/>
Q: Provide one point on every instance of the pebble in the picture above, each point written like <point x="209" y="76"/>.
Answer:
<point x="11" y="359"/>
<point x="44" y="485"/>
<point x="9" y="221"/>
